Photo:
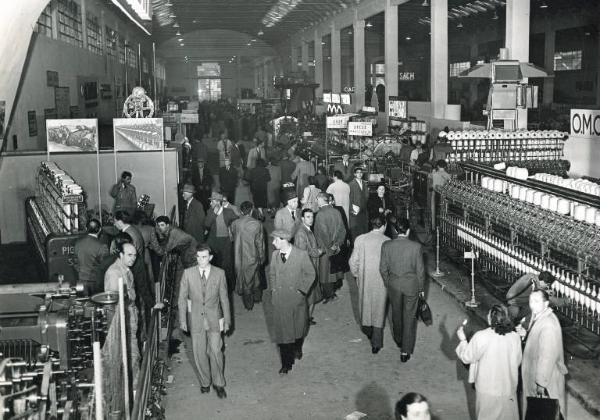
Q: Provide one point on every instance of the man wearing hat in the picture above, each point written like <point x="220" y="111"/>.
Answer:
<point x="287" y="218"/>
<point x="203" y="181"/>
<point x="218" y="222"/>
<point x="194" y="215"/>
<point x="441" y="149"/>
<point x="291" y="275"/>
<point x="359" y="195"/>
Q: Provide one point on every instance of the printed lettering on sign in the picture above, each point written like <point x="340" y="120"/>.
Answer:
<point x="360" y="128"/>
<point x="337" y="122"/>
<point x="585" y="124"/>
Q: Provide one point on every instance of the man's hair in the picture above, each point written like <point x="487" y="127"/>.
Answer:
<point x="121" y="239"/>
<point x="163" y="219"/>
<point x="402" y="226"/>
<point x="306" y="210"/>
<point x="123" y="216"/>
<point x="441" y="164"/>
<point x="246" y="207"/>
<point x="405" y="401"/>
<point x="126" y="174"/>
<point x="323" y="195"/>
<point x="546" y="277"/>
<point x="357" y="168"/>
<point x="377" y="222"/>
<point x="93" y="226"/>
<point x="338" y="174"/>
<point x="204" y="247"/>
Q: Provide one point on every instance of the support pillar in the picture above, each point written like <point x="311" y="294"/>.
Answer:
<point x="318" y="64"/>
<point x="266" y="78"/>
<point x="517" y="40"/>
<point x="391" y="51"/>
<point x="439" y="58"/>
<point x="359" y="63"/>
<point x="549" y="49"/>
<point x="305" y="56"/>
<point x="473" y="84"/>
<point x="336" y="60"/>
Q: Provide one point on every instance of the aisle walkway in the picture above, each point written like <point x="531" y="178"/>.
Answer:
<point x="338" y="373"/>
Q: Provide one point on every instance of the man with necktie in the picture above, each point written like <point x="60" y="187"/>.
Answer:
<point x="359" y="194"/>
<point x="194" y="215"/>
<point x="203" y="296"/>
<point x="344" y="167"/>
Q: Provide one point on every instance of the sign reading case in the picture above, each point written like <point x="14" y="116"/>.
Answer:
<point x="360" y="128"/>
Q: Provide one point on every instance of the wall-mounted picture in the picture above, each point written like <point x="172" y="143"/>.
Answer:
<point x="72" y="135"/>
<point x="138" y="133"/>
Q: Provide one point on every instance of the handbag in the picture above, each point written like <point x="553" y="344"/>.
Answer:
<point x="424" y="311"/>
<point x="543" y="408"/>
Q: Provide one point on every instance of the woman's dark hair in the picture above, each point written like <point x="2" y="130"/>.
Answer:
<point x="408" y="399"/>
<point x="246" y="207"/>
<point x="402" y="226"/>
<point x="500" y="320"/>
<point x="377" y="222"/>
<point x="543" y="292"/>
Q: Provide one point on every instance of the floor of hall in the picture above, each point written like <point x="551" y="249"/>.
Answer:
<point x="338" y="373"/>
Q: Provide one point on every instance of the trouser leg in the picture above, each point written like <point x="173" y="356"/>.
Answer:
<point x="134" y="350"/>
<point x="286" y="351"/>
<point x="368" y="331"/>
<point x="377" y="337"/>
<point x="298" y="347"/>
<point x="257" y="294"/>
<point x="248" y="300"/>
<point x="199" y="348"/>
<point x="215" y="355"/>
<point x="409" y="318"/>
<point x="397" y="313"/>
<point x="328" y="290"/>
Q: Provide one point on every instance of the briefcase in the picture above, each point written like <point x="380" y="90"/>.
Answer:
<point x="424" y="312"/>
<point x="543" y="408"/>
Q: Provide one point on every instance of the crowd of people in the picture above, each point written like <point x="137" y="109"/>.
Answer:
<point x="326" y="224"/>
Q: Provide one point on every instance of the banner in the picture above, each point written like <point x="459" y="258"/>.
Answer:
<point x="72" y="135"/>
<point x="585" y="124"/>
<point x="188" y="118"/>
<point x="138" y="134"/>
<point x="360" y="128"/>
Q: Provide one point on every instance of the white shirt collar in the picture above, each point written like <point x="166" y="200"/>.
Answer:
<point x="206" y="271"/>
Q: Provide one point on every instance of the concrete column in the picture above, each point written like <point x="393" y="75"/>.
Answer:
<point x="391" y="51"/>
<point x="238" y="74"/>
<point x="293" y="58"/>
<point x="549" y="48"/>
<point x="473" y="83"/>
<point x="305" y="56"/>
<point x="336" y="60"/>
<point x="359" y="63"/>
<point x="266" y="78"/>
<point x="439" y="57"/>
<point x="318" y="63"/>
<point x="517" y="41"/>
<point x="83" y="24"/>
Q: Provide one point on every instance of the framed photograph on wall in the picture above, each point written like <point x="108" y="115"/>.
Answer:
<point x="72" y="135"/>
<point x="52" y="78"/>
<point x="32" y="123"/>
<point x="138" y="134"/>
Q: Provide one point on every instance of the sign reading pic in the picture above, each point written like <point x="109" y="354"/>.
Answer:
<point x="360" y="128"/>
<point x="585" y="124"/>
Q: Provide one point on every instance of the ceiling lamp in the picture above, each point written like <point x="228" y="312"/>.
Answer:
<point x="495" y="17"/>
<point x="369" y="25"/>
<point x="425" y="3"/>
<point x="543" y="5"/>
<point x="261" y="33"/>
<point x="178" y="33"/>
<point x="176" y="25"/>
<point x="182" y="45"/>
<point x="180" y="39"/>
<point x="408" y="38"/>
<point x="460" y="25"/>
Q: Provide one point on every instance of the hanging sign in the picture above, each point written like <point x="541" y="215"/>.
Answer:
<point x="339" y="121"/>
<point x="585" y="124"/>
<point x="397" y="107"/>
<point x="360" y="128"/>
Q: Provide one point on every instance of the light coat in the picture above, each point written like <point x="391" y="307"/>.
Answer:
<point x="305" y="239"/>
<point x="341" y="193"/>
<point x="284" y="220"/>
<point x="544" y="360"/>
<point x="364" y="265"/>
<point x="290" y="308"/>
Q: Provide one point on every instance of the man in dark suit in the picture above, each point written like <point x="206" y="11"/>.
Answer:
<point x="345" y="167"/>
<point x="403" y="272"/>
<point x="194" y="215"/>
<point x="203" y="181"/>
<point x="359" y="195"/>
<point x="89" y="252"/>
<point x="287" y="169"/>
<point x="228" y="180"/>
<point x="203" y="294"/>
<point x="291" y="275"/>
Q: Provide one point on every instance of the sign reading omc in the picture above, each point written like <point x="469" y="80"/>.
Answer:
<point x="585" y="124"/>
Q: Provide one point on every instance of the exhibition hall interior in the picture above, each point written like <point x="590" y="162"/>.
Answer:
<point x="300" y="209"/>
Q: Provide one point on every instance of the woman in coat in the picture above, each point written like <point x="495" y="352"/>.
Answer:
<point x="543" y="370"/>
<point x="380" y="204"/>
<point x="259" y="178"/>
<point x="494" y="355"/>
<point x="309" y="198"/>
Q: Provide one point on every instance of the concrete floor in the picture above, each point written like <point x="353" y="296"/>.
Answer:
<point x="338" y="373"/>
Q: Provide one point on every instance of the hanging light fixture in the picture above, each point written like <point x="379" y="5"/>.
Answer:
<point x="543" y="5"/>
<point x="425" y="3"/>
<point x="460" y="25"/>
<point x="368" y="25"/>
<point x="495" y="17"/>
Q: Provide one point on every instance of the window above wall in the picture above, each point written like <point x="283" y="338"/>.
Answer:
<point x="568" y="60"/>
<point x="94" y="34"/>
<point x="69" y="22"/>
<point x="456" y="68"/>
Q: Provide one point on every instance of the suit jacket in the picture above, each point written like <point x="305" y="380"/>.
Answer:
<point x="179" y="241"/>
<point x="347" y="171"/>
<point x="305" y="239"/>
<point x="89" y="252"/>
<point x="358" y="197"/>
<point x="283" y="220"/>
<point x="111" y="280"/>
<point x="210" y="301"/>
<point x="287" y="169"/>
<point x="401" y="266"/>
<point x="193" y="220"/>
<point x="254" y="155"/>
<point x="138" y="240"/>
<point x="228" y="179"/>
<point x="329" y="229"/>
<point x="375" y="203"/>
<point x="211" y="222"/>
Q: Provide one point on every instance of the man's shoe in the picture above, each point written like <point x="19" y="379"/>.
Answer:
<point x="283" y="371"/>
<point x="220" y="392"/>
<point x="298" y="354"/>
<point x="205" y="389"/>
<point x="404" y="357"/>
<point x="375" y="350"/>
<point x="312" y="321"/>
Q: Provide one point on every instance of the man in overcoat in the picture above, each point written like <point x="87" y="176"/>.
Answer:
<point x="249" y="255"/>
<point x="359" y="195"/>
<point x="291" y="275"/>
<point x="372" y="295"/>
<point x="330" y="233"/>
<point x="228" y="180"/>
<point x="288" y="217"/>
<point x="194" y="215"/>
<point x="218" y="222"/>
<point x="403" y="272"/>
<point x="89" y="253"/>
<point x="203" y="293"/>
